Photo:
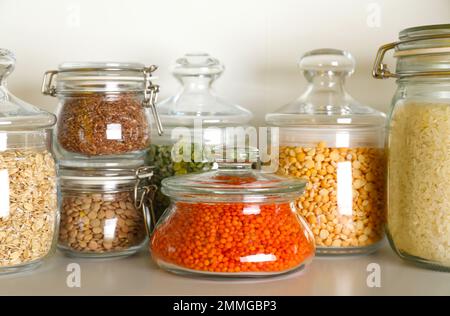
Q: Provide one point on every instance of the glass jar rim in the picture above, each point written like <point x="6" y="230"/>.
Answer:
<point x="90" y="178"/>
<point x="98" y="77"/>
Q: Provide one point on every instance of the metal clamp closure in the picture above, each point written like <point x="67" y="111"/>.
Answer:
<point x="48" y="88"/>
<point x="381" y="71"/>
<point x="143" y="197"/>
<point x="151" y="96"/>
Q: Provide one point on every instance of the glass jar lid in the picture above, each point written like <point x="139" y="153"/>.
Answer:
<point x="15" y="114"/>
<point x="234" y="180"/>
<point x="196" y="100"/>
<point x="86" y="77"/>
<point x="104" y="77"/>
<point x="91" y="179"/>
<point x="325" y="101"/>
<point x="420" y="51"/>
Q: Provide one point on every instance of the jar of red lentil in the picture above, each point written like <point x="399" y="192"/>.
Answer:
<point x="103" y="109"/>
<point x="105" y="212"/>
<point x="232" y="222"/>
<point x="337" y="145"/>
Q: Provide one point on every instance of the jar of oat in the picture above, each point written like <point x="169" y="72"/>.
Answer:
<point x="103" y="110"/>
<point x="418" y="215"/>
<point x="28" y="195"/>
<point x="337" y="144"/>
<point x="105" y="212"/>
<point x="195" y="119"/>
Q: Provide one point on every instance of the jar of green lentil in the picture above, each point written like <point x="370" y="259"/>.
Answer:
<point x="195" y="120"/>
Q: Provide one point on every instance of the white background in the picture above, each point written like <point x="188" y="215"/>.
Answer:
<point x="259" y="41"/>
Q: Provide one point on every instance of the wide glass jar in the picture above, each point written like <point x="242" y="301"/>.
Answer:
<point x="105" y="212"/>
<point x="232" y="222"/>
<point x="103" y="109"/>
<point x="28" y="195"/>
<point x="195" y="120"/>
<point x="418" y="217"/>
<point x="337" y="145"/>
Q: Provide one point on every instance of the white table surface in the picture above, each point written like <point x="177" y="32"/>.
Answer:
<point x="138" y="275"/>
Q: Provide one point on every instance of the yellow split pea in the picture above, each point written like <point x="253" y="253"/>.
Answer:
<point x="353" y="217"/>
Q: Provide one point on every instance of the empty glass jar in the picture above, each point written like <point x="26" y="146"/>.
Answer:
<point x="337" y="144"/>
<point x="232" y="222"/>
<point x="28" y="195"/>
<point x="105" y="212"/>
<point x="195" y="119"/>
<point x="103" y="110"/>
<point x="418" y="217"/>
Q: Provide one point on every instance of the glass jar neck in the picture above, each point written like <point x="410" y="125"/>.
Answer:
<point x="196" y="84"/>
<point x="326" y="82"/>
<point x="234" y="166"/>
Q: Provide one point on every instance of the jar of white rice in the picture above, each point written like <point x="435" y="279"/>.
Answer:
<point x="418" y="218"/>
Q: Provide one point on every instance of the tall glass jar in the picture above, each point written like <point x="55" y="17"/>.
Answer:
<point x="105" y="212"/>
<point x="337" y="144"/>
<point x="418" y="217"/>
<point x="28" y="195"/>
<point x="103" y="110"/>
<point x="195" y="119"/>
<point x="232" y="222"/>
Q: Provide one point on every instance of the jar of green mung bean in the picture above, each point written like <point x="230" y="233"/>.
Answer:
<point x="195" y="120"/>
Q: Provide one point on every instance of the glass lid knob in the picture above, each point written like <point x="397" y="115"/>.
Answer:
<point x="7" y="62"/>
<point x="327" y="60"/>
<point x="194" y="64"/>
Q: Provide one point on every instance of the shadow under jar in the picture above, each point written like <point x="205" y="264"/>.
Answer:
<point x="28" y="193"/>
<point x="418" y="215"/>
<point x="104" y="212"/>
<point x="103" y="109"/>
<point x="337" y="145"/>
<point x="232" y="222"/>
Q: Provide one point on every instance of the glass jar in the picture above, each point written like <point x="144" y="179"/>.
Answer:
<point x="28" y="195"/>
<point x="103" y="109"/>
<point x="337" y="145"/>
<point x="232" y="222"/>
<point x="105" y="212"/>
<point x="418" y="216"/>
<point x="195" y="120"/>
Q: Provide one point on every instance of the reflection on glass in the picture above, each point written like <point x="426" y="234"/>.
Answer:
<point x="109" y="230"/>
<point x="4" y="193"/>
<point x="114" y="131"/>
<point x="261" y="257"/>
<point x="251" y="210"/>
<point x="344" y="188"/>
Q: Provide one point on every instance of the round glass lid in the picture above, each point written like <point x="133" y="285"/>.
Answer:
<point x="234" y="176"/>
<point x="196" y="99"/>
<point x="325" y="100"/>
<point x="15" y="114"/>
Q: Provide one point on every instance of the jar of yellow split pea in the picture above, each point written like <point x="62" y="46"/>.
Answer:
<point x="337" y="145"/>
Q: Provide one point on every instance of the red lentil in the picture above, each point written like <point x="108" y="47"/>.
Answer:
<point x="227" y="237"/>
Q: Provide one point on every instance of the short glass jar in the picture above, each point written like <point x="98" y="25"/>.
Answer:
<point x="418" y="216"/>
<point x="28" y="194"/>
<point x="195" y="120"/>
<point x="232" y="222"/>
<point x="105" y="212"/>
<point x="337" y="144"/>
<point x="103" y="109"/>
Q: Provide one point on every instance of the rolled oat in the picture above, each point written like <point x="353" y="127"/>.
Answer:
<point x="28" y="210"/>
